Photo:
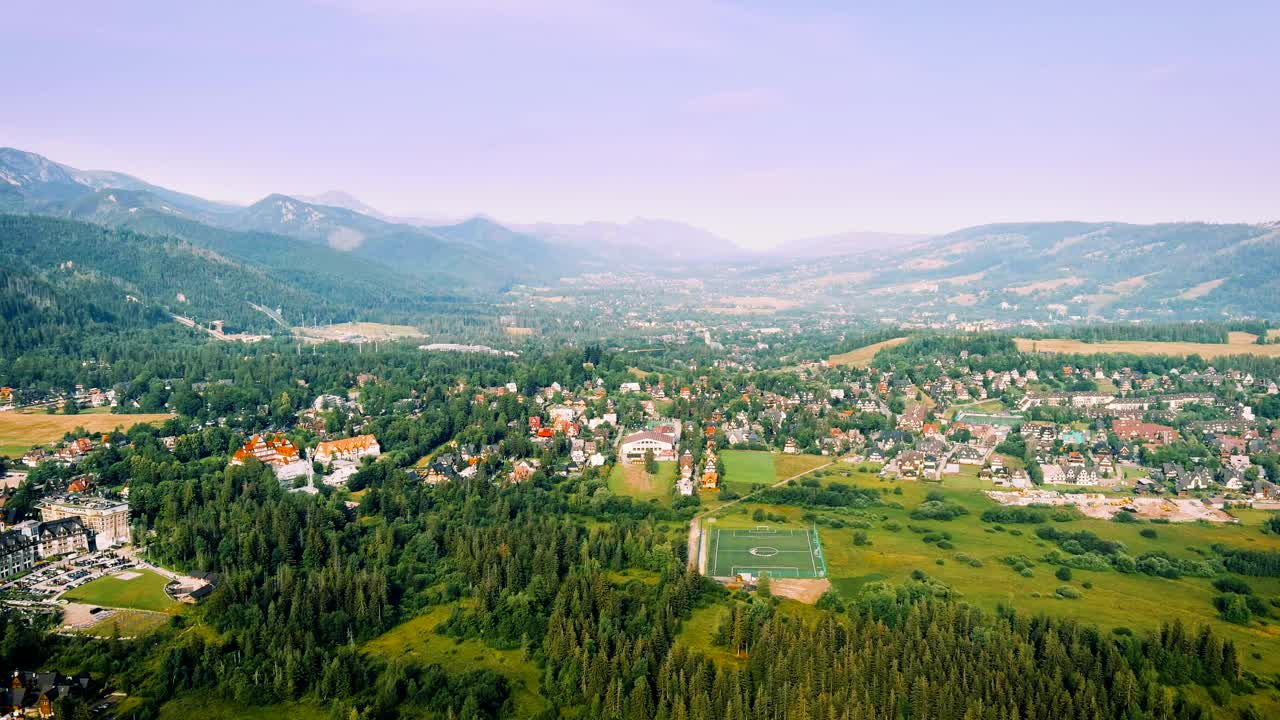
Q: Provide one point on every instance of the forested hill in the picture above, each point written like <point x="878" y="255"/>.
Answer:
<point x="62" y="277"/>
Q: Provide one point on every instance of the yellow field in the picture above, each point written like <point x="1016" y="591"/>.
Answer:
<point x="20" y="430"/>
<point x="862" y="356"/>
<point x="1239" y="343"/>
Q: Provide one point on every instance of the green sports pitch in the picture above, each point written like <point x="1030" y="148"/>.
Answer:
<point x="782" y="553"/>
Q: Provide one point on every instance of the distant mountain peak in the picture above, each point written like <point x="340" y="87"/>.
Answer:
<point x="345" y="200"/>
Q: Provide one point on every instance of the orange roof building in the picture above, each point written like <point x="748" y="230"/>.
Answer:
<point x="277" y="450"/>
<point x="352" y="448"/>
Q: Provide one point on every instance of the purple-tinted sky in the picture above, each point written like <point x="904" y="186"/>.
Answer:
<point x="760" y="121"/>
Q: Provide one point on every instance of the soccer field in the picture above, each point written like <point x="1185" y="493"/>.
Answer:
<point x="782" y="553"/>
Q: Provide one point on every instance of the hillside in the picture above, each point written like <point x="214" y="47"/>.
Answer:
<point x="63" y="276"/>
<point x="1063" y="270"/>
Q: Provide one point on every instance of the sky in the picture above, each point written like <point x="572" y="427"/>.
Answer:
<point x="763" y="122"/>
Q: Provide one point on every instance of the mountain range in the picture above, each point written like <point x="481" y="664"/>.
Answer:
<point x="365" y="259"/>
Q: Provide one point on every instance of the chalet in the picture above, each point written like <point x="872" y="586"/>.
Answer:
<point x="913" y="418"/>
<point x="710" y="472"/>
<point x="277" y="450"/>
<point x="522" y="470"/>
<point x="18" y="553"/>
<point x="351" y="449"/>
<point x="790" y="447"/>
<point x="59" y="537"/>
<point x="75" y="450"/>
<point x="1053" y="474"/>
<point x="35" y="694"/>
<point x="1197" y="479"/>
<point x="686" y="465"/>
<point x="1081" y="476"/>
<point x="1147" y="432"/>
<point x="968" y="455"/>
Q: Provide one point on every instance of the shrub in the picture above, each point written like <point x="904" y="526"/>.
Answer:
<point x="975" y="563"/>
<point x="860" y="538"/>
<point x="1014" y="515"/>
<point x="1232" y="585"/>
<point x="830" y="601"/>
<point x="1068" y="592"/>
<point x="1063" y="574"/>
<point x="1124" y="517"/>
<point x="1066" y="514"/>
<point x="1026" y="572"/>
<point x="940" y="561"/>
<point x="891" y="526"/>
<point x="1148" y="533"/>
<point x="1015" y="532"/>
<point x="1233" y="608"/>
<point x="1121" y="630"/>
<point x="946" y="545"/>
<point x="938" y="510"/>
<point x="1087" y="584"/>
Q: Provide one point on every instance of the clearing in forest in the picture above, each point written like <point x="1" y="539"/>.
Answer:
<point x="780" y="552"/>
<point x="862" y="356"/>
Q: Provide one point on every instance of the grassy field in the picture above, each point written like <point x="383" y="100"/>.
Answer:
<point x="744" y="468"/>
<point x="416" y="638"/>
<point x="145" y="592"/>
<point x="861" y="357"/>
<point x="128" y="623"/>
<point x="20" y="429"/>
<point x="632" y="480"/>
<point x="1239" y="344"/>
<point x="789" y="466"/>
<point x="1140" y="602"/>
<point x="209" y="706"/>
<point x="781" y="552"/>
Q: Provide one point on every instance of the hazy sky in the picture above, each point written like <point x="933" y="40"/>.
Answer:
<point x="760" y="121"/>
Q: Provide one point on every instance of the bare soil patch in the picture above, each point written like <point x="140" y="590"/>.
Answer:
<point x="806" y="591"/>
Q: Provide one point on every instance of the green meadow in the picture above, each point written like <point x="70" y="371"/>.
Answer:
<point x="973" y="564"/>
<point x="144" y="592"/>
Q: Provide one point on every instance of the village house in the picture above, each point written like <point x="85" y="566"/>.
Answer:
<point x="34" y="694"/>
<point x="912" y="419"/>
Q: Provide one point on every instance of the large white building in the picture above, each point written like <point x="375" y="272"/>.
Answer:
<point x="108" y="520"/>
<point x="635" y="445"/>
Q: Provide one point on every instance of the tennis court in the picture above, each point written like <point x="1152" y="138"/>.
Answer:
<point x="780" y="552"/>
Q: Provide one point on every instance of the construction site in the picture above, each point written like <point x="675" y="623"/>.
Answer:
<point x="1103" y="507"/>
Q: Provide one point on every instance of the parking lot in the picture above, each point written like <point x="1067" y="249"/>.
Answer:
<point x="47" y="582"/>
